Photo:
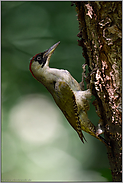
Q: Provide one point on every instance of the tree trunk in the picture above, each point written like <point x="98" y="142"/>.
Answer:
<point x="100" y="25"/>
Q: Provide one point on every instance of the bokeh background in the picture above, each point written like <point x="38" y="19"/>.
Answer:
<point x="38" y="144"/>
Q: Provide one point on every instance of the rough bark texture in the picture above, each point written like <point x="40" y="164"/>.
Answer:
<point x="100" y="25"/>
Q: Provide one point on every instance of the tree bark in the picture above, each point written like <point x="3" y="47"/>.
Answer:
<point x="100" y="36"/>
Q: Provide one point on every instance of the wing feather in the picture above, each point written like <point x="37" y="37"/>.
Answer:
<point x="65" y="99"/>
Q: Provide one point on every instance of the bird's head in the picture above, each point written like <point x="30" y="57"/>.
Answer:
<point x="41" y="60"/>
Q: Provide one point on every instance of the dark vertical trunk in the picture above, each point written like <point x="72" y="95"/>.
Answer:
<point x="100" y="25"/>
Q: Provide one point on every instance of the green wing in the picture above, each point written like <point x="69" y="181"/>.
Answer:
<point x="65" y="99"/>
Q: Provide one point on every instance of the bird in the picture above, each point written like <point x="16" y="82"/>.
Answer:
<point x="66" y="91"/>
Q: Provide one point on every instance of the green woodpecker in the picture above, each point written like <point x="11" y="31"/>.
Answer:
<point x="66" y="92"/>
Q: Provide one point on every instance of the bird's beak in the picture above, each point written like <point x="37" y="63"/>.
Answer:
<point x="50" y="51"/>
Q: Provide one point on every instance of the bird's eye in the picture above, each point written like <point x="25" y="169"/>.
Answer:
<point x="39" y="58"/>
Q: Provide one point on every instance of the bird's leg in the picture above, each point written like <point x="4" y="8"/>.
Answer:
<point x="83" y="76"/>
<point x="100" y="128"/>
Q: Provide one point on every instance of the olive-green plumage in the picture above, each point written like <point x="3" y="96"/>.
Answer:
<point x="65" y="99"/>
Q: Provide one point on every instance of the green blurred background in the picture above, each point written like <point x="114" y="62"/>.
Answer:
<point x="38" y="144"/>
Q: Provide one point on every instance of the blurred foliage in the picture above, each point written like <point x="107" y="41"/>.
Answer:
<point x="106" y="173"/>
<point x="27" y="29"/>
<point x="32" y="27"/>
